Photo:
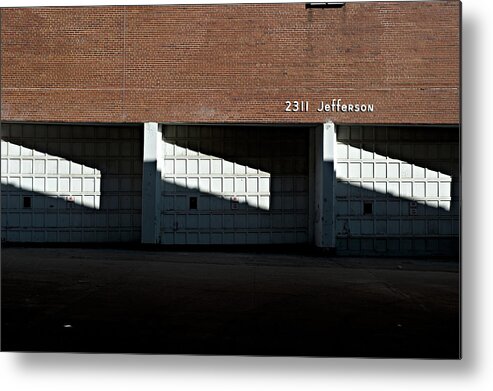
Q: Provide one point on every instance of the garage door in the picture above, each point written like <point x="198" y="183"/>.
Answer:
<point x="234" y="185"/>
<point x="63" y="183"/>
<point x="397" y="190"/>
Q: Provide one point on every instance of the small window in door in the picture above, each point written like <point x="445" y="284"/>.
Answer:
<point x="367" y="208"/>
<point x="27" y="202"/>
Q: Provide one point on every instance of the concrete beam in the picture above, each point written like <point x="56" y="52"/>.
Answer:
<point x="151" y="183"/>
<point x="325" y="179"/>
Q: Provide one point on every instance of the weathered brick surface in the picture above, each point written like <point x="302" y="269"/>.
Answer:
<point x="231" y="63"/>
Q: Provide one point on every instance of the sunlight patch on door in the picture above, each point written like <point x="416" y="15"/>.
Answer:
<point x="398" y="179"/>
<point x="191" y="171"/>
<point x="33" y="171"/>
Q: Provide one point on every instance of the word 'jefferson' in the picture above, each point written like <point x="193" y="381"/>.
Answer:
<point x="336" y="105"/>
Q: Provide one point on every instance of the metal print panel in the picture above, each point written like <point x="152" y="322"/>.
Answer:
<point x="246" y="179"/>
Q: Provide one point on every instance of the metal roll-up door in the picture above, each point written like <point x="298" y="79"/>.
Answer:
<point x="71" y="183"/>
<point x="234" y="185"/>
<point x="397" y="190"/>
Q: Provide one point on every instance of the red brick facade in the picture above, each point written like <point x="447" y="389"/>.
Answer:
<point x="231" y="63"/>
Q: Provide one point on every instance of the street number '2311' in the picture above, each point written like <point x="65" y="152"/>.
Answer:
<point x="295" y="105"/>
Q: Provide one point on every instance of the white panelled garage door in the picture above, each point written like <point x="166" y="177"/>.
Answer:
<point x="397" y="190"/>
<point x="234" y="185"/>
<point x="64" y="183"/>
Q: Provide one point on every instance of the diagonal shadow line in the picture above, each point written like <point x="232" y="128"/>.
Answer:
<point x="267" y="148"/>
<point x="386" y="145"/>
<point x="86" y="153"/>
<point x="252" y="219"/>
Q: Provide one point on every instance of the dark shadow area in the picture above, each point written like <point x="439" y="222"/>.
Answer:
<point x="84" y="301"/>
<point x="213" y="219"/>
<point x="394" y="225"/>
<point x="55" y="220"/>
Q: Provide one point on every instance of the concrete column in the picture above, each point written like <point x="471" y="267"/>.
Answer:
<point x="325" y="179"/>
<point x="151" y="183"/>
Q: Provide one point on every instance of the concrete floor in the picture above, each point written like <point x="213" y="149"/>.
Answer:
<point x="110" y="300"/>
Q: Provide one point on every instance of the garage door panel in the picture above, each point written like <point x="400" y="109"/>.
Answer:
<point x="250" y="182"/>
<point x="407" y="175"/>
<point x="67" y="177"/>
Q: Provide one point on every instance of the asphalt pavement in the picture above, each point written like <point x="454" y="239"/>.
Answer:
<point x="227" y="302"/>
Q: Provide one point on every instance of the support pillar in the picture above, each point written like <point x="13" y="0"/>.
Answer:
<point x="325" y="180"/>
<point x="151" y="183"/>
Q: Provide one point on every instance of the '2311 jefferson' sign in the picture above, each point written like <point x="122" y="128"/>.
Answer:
<point x="335" y="105"/>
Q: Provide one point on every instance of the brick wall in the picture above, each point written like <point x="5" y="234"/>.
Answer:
<point x="231" y="63"/>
